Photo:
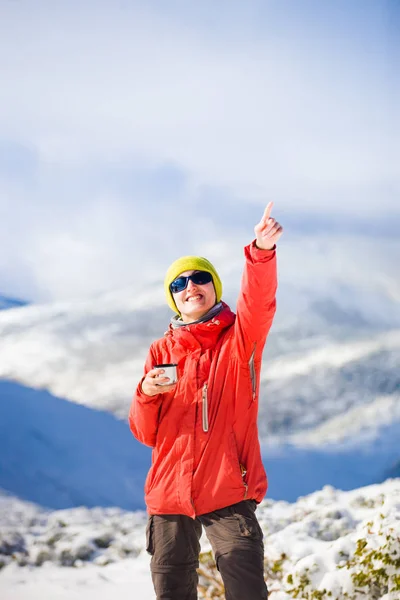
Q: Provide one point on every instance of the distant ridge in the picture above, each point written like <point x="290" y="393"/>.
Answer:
<point x="393" y="472"/>
<point x="6" y="302"/>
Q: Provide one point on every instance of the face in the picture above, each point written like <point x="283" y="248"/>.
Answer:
<point x="194" y="301"/>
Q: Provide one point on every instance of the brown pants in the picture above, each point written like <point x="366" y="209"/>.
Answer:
<point x="237" y="542"/>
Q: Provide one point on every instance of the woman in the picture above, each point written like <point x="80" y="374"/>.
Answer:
<point x="206" y="464"/>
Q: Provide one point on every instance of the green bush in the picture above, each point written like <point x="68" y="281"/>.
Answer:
<point x="210" y="582"/>
<point x="374" y="568"/>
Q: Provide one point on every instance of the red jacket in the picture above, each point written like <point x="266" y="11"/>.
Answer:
<point x="206" y="452"/>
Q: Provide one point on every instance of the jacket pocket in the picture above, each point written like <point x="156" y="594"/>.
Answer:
<point x="239" y="471"/>
<point x="247" y="521"/>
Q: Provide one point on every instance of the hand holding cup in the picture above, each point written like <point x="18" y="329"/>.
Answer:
<point x="159" y="380"/>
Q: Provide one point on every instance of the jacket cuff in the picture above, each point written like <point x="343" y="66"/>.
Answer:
<point x="255" y="254"/>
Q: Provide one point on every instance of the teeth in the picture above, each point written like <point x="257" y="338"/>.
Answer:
<point x="194" y="298"/>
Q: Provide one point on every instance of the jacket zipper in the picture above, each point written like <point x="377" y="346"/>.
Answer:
<point x="253" y="373"/>
<point x="205" y="408"/>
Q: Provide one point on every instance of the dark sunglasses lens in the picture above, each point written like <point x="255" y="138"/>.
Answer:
<point x="201" y="278"/>
<point x="178" y="284"/>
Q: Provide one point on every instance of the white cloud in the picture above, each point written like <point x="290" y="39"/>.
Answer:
<point x="86" y="84"/>
<point x="257" y="109"/>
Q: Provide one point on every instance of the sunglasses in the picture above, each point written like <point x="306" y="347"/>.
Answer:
<point x="199" y="278"/>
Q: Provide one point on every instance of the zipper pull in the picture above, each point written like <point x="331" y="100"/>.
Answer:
<point x="205" y="408"/>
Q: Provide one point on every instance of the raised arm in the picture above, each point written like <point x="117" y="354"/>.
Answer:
<point x="256" y="303"/>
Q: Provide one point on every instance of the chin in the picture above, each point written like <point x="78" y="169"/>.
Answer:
<point x="196" y="314"/>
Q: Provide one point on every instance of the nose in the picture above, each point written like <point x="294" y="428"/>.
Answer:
<point x="191" y="285"/>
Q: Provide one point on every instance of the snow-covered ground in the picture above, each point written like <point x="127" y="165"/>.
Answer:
<point x="99" y="553"/>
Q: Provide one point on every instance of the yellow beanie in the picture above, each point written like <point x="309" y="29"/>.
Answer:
<point x="190" y="263"/>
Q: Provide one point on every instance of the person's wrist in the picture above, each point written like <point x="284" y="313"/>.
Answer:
<point x="263" y="248"/>
<point x="143" y="390"/>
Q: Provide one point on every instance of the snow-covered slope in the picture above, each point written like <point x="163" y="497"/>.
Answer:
<point x="93" y="352"/>
<point x="314" y="539"/>
<point x="60" y="454"/>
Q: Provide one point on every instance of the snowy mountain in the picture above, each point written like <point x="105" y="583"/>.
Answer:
<point x="329" y="386"/>
<point x="93" y="352"/>
<point x="332" y="543"/>
<point x="60" y="454"/>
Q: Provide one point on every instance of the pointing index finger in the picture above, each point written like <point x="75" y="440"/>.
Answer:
<point x="267" y="211"/>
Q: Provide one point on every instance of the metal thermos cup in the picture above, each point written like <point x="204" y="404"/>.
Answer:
<point x="170" y="371"/>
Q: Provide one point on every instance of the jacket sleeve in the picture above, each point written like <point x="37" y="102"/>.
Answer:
<point x="144" y="411"/>
<point x="256" y="303"/>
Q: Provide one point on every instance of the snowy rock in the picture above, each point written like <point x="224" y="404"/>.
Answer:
<point x="11" y="542"/>
<point x="39" y="554"/>
<point x="104" y="539"/>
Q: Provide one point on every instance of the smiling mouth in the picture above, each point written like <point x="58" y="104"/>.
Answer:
<point x="194" y="298"/>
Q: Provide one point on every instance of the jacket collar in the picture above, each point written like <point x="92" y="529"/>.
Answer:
<point x="203" y="334"/>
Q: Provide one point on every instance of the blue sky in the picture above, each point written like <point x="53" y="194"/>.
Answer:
<point x="132" y="132"/>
